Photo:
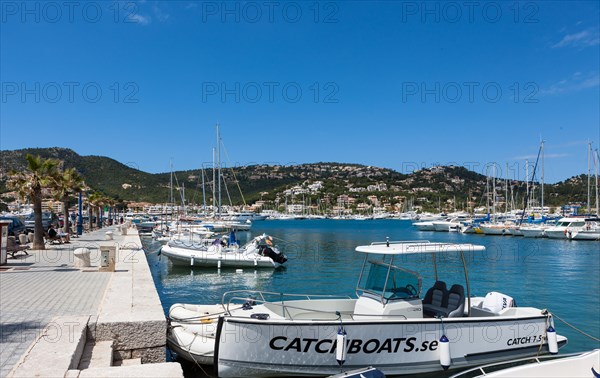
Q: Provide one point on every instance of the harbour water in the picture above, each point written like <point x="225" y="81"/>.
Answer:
<point x="560" y="275"/>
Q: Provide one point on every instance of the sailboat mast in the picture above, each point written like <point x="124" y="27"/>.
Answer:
<point x="494" y="193"/>
<point x="589" y="176"/>
<point x="597" y="162"/>
<point x="203" y="190"/>
<point x="219" y="167"/>
<point x="214" y="185"/>
<point x="171" y="182"/>
<point x="542" y="178"/>
<point x="506" y="190"/>
<point x="527" y="184"/>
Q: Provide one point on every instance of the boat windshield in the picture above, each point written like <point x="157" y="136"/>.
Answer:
<point x="399" y="284"/>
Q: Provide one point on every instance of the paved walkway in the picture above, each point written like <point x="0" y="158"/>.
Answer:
<point x="43" y="285"/>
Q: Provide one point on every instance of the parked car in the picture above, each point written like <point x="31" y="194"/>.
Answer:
<point x="48" y="218"/>
<point x="16" y="226"/>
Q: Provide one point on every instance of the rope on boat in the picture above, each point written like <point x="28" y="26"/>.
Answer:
<point x="575" y="328"/>
<point x="193" y="359"/>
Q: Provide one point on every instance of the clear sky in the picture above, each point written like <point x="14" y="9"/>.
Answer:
<point x="400" y="85"/>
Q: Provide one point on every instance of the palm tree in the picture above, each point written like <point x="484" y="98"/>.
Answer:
<point x="29" y="184"/>
<point x="96" y="200"/>
<point x="66" y="183"/>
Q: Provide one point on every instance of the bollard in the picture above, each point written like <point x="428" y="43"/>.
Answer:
<point x="109" y="235"/>
<point x="82" y="258"/>
<point x="23" y="239"/>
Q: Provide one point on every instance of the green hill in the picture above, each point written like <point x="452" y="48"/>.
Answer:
<point x="444" y="187"/>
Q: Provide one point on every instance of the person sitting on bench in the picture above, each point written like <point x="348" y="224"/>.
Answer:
<point x="53" y="235"/>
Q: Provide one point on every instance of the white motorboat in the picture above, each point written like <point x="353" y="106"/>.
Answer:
<point x="564" y="226"/>
<point x="589" y="231"/>
<point x="592" y="233"/>
<point x="245" y="216"/>
<point x="258" y="253"/>
<point x="424" y="226"/>
<point x="574" y="365"/>
<point x="452" y="225"/>
<point x="389" y="325"/>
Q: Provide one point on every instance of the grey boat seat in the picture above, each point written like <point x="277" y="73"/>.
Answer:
<point x="439" y="301"/>
<point x="434" y="301"/>
<point x="456" y="302"/>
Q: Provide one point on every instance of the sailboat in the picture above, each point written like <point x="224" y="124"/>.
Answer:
<point x="535" y="230"/>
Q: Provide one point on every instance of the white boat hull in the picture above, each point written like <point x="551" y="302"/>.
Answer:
<point x="252" y="347"/>
<point x="492" y="230"/>
<point x="533" y="232"/>
<point x="556" y="234"/>
<point x="216" y="257"/>
<point x="424" y="226"/>
<point x="585" y="235"/>
<point x="579" y="365"/>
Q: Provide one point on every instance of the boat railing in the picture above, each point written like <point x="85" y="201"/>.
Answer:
<point x="255" y="296"/>
<point x="481" y="370"/>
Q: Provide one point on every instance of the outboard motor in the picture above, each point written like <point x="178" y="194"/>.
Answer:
<point x="276" y="256"/>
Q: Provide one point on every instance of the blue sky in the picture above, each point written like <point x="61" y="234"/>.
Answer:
<point x="401" y="85"/>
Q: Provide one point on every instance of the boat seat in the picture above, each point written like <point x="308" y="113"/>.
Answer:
<point x="456" y="302"/>
<point x="435" y="300"/>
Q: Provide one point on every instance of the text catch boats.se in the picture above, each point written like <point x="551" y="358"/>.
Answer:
<point x="389" y="325"/>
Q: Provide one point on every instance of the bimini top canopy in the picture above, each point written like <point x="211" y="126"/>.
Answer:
<point x="416" y="247"/>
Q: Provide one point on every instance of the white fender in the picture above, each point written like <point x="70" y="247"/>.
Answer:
<point x="552" y="341"/>
<point x="444" y="348"/>
<point x="340" y="349"/>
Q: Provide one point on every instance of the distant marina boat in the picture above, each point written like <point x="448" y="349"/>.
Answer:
<point x="564" y="227"/>
<point x="424" y="226"/>
<point x="589" y="231"/>
<point x="392" y="324"/>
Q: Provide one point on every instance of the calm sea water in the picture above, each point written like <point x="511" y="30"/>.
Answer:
<point x="562" y="276"/>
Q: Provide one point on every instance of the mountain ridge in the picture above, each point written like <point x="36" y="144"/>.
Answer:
<point x="454" y="186"/>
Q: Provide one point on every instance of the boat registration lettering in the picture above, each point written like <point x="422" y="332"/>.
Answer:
<point x="390" y="345"/>
<point x="525" y="340"/>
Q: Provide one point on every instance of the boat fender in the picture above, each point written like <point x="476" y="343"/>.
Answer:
<point x="596" y="374"/>
<point x="444" y="348"/>
<point x="552" y="340"/>
<point x="340" y="348"/>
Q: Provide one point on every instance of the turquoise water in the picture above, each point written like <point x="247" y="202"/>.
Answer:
<point x="562" y="276"/>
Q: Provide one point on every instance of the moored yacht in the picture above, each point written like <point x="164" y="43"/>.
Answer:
<point x="564" y="227"/>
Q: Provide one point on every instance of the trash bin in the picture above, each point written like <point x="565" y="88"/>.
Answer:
<point x="82" y="258"/>
<point x="30" y="237"/>
<point x="109" y="235"/>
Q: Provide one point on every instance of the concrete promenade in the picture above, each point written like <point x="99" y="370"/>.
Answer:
<point x="48" y="307"/>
